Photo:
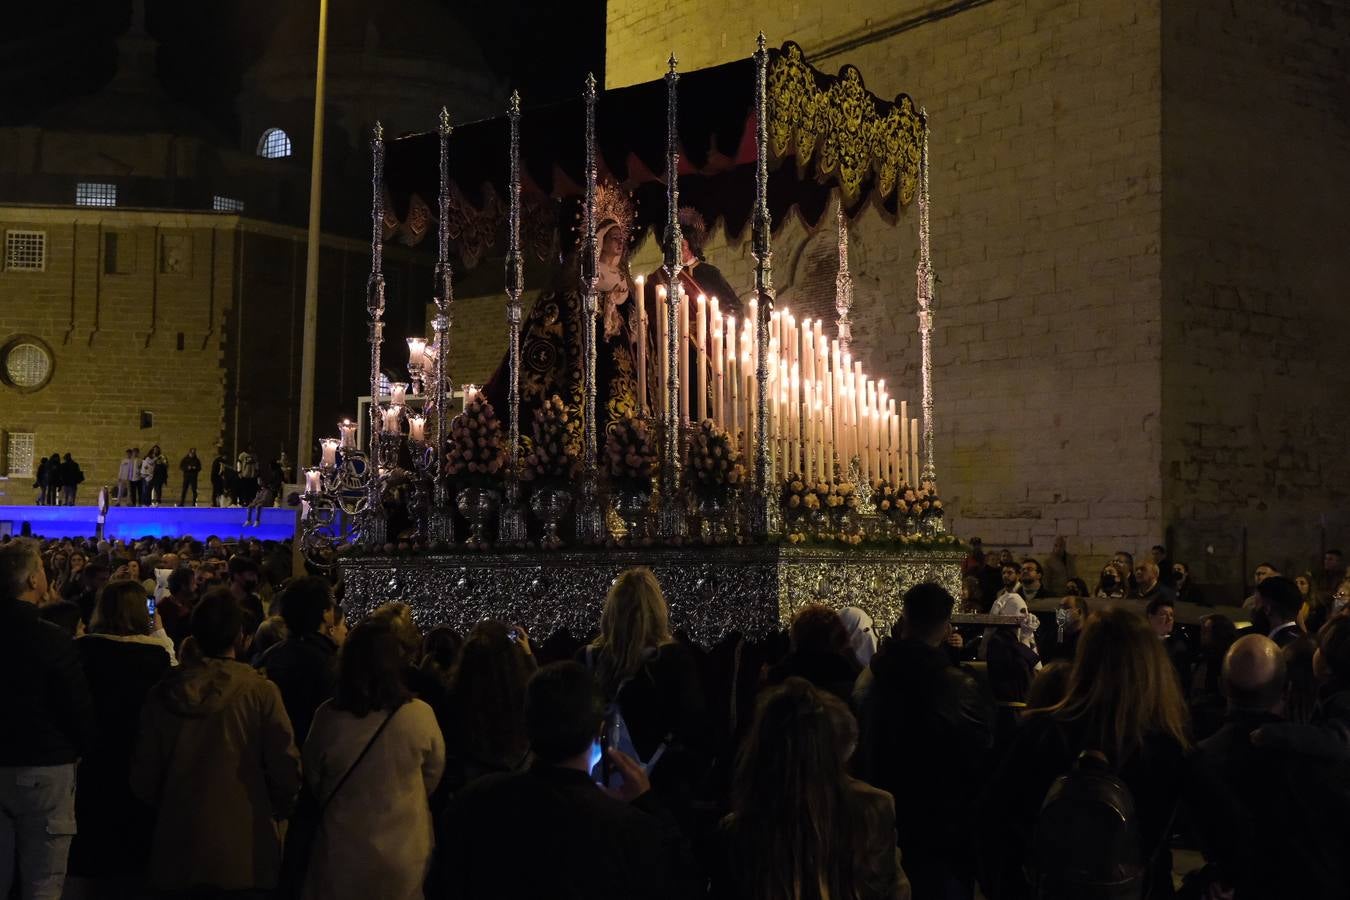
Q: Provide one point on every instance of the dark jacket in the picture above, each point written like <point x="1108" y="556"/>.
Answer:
<point x="174" y="618"/>
<point x="877" y="860"/>
<point x="920" y="713"/>
<point x="1327" y="734"/>
<point x="581" y="843"/>
<point x="1044" y="750"/>
<point x="190" y="465"/>
<point x="45" y="708"/>
<point x="831" y="672"/>
<point x="1273" y="822"/>
<point x="664" y="702"/>
<point x="113" y="824"/>
<point x="305" y="669"/>
<point x="69" y="473"/>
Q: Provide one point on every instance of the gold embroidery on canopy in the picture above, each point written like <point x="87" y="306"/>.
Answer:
<point x="848" y="131"/>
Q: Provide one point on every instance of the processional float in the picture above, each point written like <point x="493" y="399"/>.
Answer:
<point x="841" y="503"/>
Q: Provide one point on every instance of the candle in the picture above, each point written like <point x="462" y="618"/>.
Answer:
<point x="417" y="428"/>
<point x="822" y="445"/>
<point x="313" y="481"/>
<point x="701" y="356"/>
<point x="391" y="419"/>
<point x="874" y="420"/>
<point x="417" y="353"/>
<point x="683" y="366"/>
<point x="894" y="423"/>
<point x="794" y="417"/>
<point x="732" y="411"/>
<point x="782" y="415"/>
<point x="808" y="432"/>
<point x="903" y="430"/>
<point x="347" y="428"/>
<point x="641" y="300"/>
<point x="661" y="341"/>
<point x="914" y="449"/>
<point x="721" y="366"/>
<point x="329" y="448"/>
<point x="398" y="394"/>
<point x="807" y="353"/>
<point x="751" y="400"/>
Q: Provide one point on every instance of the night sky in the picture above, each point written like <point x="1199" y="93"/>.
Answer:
<point x="51" y="53"/>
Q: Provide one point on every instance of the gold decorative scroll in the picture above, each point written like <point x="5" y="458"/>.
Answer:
<point x="848" y="130"/>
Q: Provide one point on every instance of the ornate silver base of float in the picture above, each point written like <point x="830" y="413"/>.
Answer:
<point x="712" y="591"/>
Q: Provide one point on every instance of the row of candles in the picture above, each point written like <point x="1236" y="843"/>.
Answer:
<point x="824" y="407"/>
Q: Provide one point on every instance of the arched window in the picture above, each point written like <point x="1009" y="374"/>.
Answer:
<point x="274" y="144"/>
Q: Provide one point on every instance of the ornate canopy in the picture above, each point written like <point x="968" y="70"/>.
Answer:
<point x="839" y="135"/>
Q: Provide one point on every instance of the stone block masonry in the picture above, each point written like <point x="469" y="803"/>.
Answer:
<point x="1046" y="132"/>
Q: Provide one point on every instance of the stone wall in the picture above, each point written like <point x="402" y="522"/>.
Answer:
<point x="1046" y="183"/>
<point x="200" y="323"/>
<point x="147" y="339"/>
<point x="1256" y="166"/>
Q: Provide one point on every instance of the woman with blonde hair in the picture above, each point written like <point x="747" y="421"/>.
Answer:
<point x="1122" y="704"/>
<point x="652" y="681"/>
<point x="1316" y="608"/>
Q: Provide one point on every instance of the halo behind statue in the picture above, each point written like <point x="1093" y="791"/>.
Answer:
<point x="612" y="204"/>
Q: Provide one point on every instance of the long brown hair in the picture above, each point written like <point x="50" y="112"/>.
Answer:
<point x="1122" y="687"/>
<point x="634" y="621"/>
<point x="792" y="820"/>
<point x="370" y="671"/>
<point x="121" y="609"/>
<point x="487" y="694"/>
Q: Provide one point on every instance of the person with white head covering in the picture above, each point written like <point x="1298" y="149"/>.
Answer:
<point x="861" y="635"/>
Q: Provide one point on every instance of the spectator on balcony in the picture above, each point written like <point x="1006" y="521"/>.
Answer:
<point x="190" y="466"/>
<point x="246" y="468"/>
<point x="71" y="478"/>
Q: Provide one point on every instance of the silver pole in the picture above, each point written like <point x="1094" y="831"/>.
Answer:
<point x="765" y="512"/>
<point x="373" y="526"/>
<point x="590" y="523"/>
<point x="440" y="520"/>
<point x="928" y="470"/>
<point x="670" y="518"/>
<point x="511" y="519"/>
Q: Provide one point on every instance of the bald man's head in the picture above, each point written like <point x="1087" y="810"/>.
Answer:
<point x="1254" y="674"/>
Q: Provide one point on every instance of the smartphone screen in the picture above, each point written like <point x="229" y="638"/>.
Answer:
<point x="150" y="606"/>
<point x="606" y="768"/>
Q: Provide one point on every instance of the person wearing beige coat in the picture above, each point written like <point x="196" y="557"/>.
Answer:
<point x="217" y="760"/>
<point x="374" y="837"/>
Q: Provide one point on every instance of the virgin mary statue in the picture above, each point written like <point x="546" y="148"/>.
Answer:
<point x="551" y="357"/>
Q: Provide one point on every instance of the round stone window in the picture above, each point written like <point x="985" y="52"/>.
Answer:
<point x="26" y="363"/>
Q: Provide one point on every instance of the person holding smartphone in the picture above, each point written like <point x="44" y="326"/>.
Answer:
<point x="607" y="842"/>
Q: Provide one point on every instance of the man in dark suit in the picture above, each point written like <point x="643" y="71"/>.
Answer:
<point x="1272" y="821"/>
<point x="1279" y="599"/>
<point x="921" y="715"/>
<point x="551" y="831"/>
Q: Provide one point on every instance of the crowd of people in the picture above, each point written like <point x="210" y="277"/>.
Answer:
<point x="246" y="481"/>
<point x="235" y="739"/>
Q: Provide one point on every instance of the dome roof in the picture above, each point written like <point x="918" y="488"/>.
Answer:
<point x="413" y="29"/>
<point x="133" y="102"/>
